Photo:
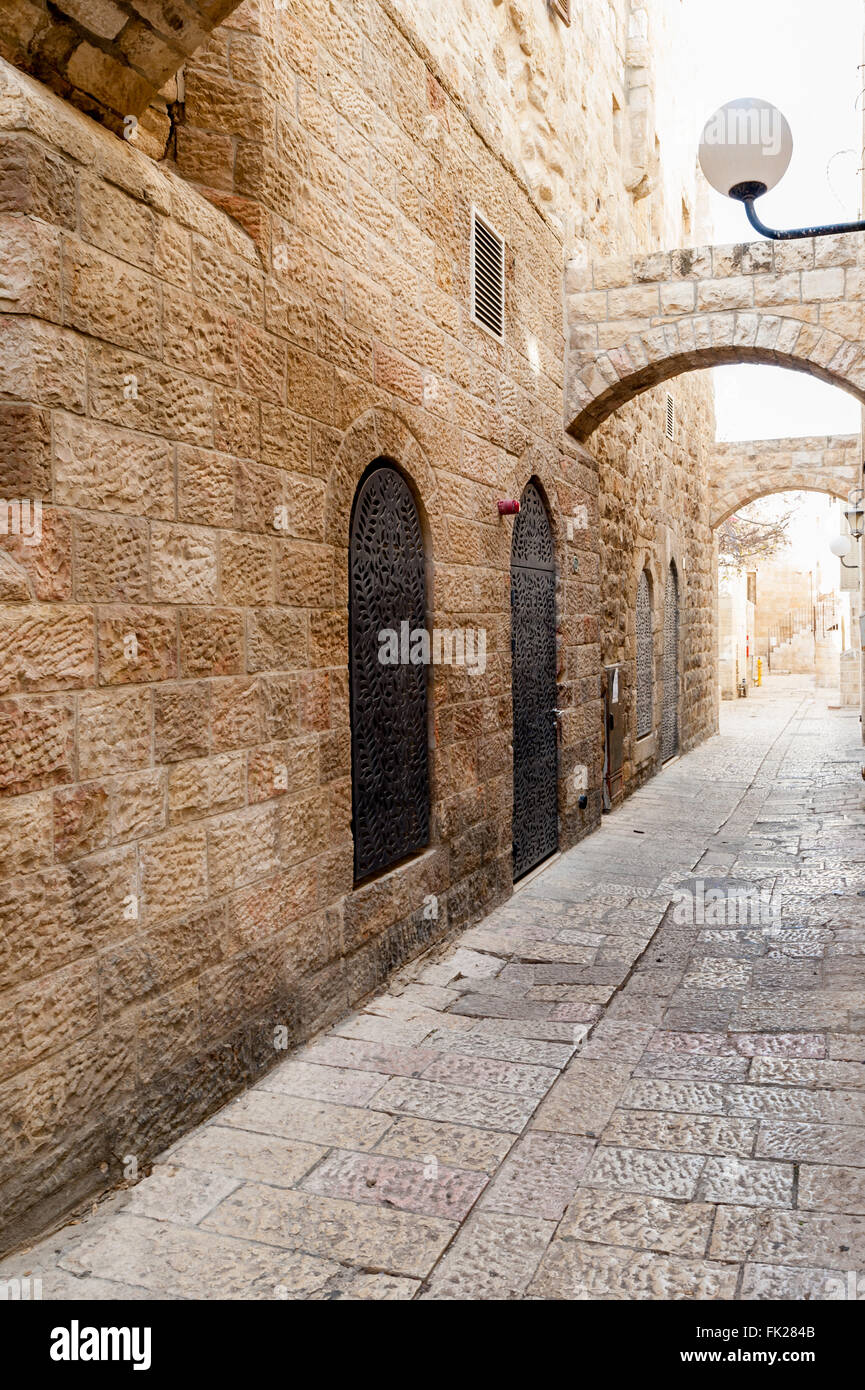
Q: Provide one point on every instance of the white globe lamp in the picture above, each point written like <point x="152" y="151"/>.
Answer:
<point x="746" y="148"/>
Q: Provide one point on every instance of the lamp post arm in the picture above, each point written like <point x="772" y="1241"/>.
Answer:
<point x="833" y="229"/>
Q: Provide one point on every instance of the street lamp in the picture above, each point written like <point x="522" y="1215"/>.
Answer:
<point x="855" y="515"/>
<point x="841" y="546"/>
<point x="745" y="150"/>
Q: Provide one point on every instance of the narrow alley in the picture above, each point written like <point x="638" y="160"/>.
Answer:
<point x="459" y="1137"/>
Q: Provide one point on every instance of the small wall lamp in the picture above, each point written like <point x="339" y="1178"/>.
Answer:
<point x="856" y="520"/>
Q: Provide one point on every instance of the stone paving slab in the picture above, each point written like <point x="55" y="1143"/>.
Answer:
<point x="293" y="1117"/>
<point x="341" y="1084"/>
<point x="351" y="1232"/>
<point x="635" y="1220"/>
<point x="655" y="1172"/>
<point x="462" y="1146"/>
<point x="748" y="1181"/>
<point x="250" y="1156"/>
<point x="575" y="1270"/>
<point x="804" y="1237"/>
<point x="670" y="1130"/>
<point x="590" y="1095"/>
<point x="805" y="1143"/>
<point x="539" y="1176"/>
<point x="431" y="1100"/>
<point x="401" y="1183"/>
<point x="831" y="1187"/>
<point x="495" y="1258"/>
<point x="187" y="1262"/>
<point x="769" y="1283"/>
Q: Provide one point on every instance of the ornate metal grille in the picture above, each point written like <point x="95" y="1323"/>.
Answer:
<point x="533" y="663"/>
<point x="389" y="742"/>
<point x="670" y="716"/>
<point x="645" y="658"/>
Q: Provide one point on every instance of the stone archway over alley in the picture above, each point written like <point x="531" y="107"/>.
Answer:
<point x="633" y="323"/>
<point x="743" y="471"/>
<point x="455" y="1139"/>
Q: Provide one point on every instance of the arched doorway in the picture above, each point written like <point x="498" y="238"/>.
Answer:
<point x="645" y="657"/>
<point x="533" y="668"/>
<point x="388" y="704"/>
<point x="670" y="712"/>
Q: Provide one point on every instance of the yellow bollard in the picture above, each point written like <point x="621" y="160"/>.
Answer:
<point x="759" y="670"/>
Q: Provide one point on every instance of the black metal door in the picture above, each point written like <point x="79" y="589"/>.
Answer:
<point x="389" y="737"/>
<point x="670" y="713"/>
<point x="645" y="657"/>
<point x="533" y="665"/>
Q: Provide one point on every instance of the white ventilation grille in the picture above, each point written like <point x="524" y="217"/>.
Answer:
<point x="670" y="424"/>
<point x="488" y="277"/>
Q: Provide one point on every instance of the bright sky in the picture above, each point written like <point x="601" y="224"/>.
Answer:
<point x="816" y="519"/>
<point x="803" y="56"/>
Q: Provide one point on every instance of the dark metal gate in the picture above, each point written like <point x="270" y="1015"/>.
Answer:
<point x="533" y="665"/>
<point x="645" y="657"/>
<point x="389" y="739"/>
<point x="670" y="714"/>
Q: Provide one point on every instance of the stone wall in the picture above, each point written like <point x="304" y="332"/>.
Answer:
<point x="849" y="678"/>
<point x="574" y="106"/>
<point x="654" y="511"/>
<point x="110" y="59"/>
<point x="200" y="359"/>
<point x="736" y="635"/>
<point x="169" y="900"/>
<point x="575" y="109"/>
<point x="785" y="594"/>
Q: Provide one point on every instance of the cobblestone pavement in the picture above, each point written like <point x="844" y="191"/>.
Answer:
<point x="456" y="1139"/>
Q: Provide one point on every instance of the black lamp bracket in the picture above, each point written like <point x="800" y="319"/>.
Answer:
<point x="748" y="193"/>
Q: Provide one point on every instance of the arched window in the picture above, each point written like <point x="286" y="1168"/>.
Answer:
<point x="645" y="657"/>
<point x="388" y="689"/>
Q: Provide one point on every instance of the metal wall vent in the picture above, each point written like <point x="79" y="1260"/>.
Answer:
<point x="670" y="424"/>
<point x="488" y="277"/>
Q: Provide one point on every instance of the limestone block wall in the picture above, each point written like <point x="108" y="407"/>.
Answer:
<point x="572" y="105"/>
<point x="849" y="678"/>
<point x="736" y="635"/>
<point x="199" y="359"/>
<point x="110" y="59"/>
<point x="535" y="93"/>
<point x="654" y="511"/>
<point x="783" y="588"/>
<point x="575" y="107"/>
<point x="170" y="902"/>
